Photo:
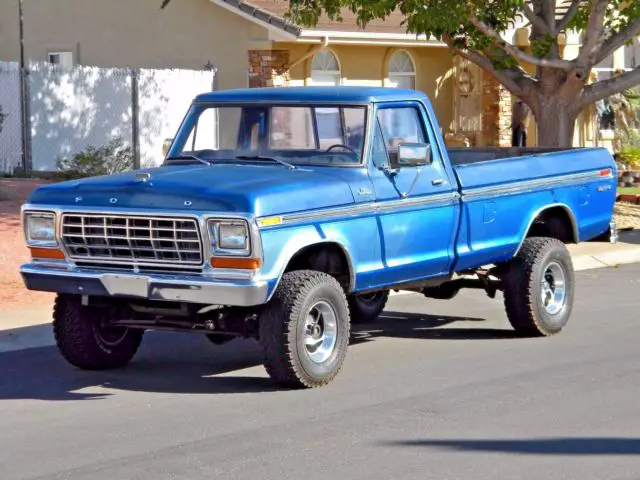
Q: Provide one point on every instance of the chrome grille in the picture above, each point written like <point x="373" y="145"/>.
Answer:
<point x="132" y="239"/>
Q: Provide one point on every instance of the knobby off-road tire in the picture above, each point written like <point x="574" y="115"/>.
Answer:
<point x="539" y="287"/>
<point x="366" y="308"/>
<point x="307" y="308"/>
<point x="85" y="342"/>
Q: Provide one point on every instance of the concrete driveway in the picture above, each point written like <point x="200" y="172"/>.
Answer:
<point x="433" y="390"/>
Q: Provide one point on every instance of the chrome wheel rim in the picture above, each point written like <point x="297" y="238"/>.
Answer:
<point x="553" y="289"/>
<point x="320" y="331"/>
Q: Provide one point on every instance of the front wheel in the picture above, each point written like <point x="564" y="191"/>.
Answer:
<point x="304" y="330"/>
<point x="539" y="287"/>
<point x="85" y="339"/>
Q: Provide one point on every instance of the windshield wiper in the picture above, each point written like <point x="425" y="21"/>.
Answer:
<point x="187" y="156"/>
<point x="266" y="157"/>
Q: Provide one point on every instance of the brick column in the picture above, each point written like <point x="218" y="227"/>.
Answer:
<point x="268" y="68"/>
<point x="496" y="113"/>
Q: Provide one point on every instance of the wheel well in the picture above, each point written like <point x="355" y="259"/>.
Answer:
<point x="325" y="257"/>
<point x="554" y="222"/>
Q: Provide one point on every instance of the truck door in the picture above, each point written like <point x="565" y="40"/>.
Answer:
<point x="418" y="205"/>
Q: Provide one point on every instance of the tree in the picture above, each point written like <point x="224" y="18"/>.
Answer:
<point x="558" y="90"/>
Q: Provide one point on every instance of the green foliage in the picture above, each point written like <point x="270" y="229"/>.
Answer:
<point x="436" y="17"/>
<point x="541" y="47"/>
<point x="111" y="158"/>
<point x="629" y="152"/>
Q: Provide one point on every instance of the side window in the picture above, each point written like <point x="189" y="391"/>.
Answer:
<point x="378" y="148"/>
<point x="401" y="125"/>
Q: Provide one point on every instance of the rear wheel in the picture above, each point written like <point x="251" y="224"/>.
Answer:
<point x="304" y="330"/>
<point x="365" y="308"/>
<point x="539" y="287"/>
<point x="85" y="339"/>
<point x="219" y="339"/>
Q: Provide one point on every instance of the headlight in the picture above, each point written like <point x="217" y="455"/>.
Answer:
<point x="229" y="237"/>
<point x="40" y="229"/>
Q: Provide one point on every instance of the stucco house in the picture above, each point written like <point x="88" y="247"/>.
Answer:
<point x="250" y="44"/>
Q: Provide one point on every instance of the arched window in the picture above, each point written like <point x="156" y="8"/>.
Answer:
<point x="402" y="71"/>
<point x="325" y="69"/>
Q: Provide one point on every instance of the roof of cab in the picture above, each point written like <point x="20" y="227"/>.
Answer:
<point x="340" y="94"/>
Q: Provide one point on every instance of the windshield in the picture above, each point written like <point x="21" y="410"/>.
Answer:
<point x="316" y="135"/>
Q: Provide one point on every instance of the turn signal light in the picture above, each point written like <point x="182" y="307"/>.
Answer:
<point x="241" y="263"/>
<point x="47" y="253"/>
<point x="606" y="172"/>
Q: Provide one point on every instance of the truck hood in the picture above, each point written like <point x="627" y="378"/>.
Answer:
<point x="235" y="188"/>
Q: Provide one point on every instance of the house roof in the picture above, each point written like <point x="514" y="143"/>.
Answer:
<point x="278" y="8"/>
<point x="271" y="14"/>
<point x="341" y="94"/>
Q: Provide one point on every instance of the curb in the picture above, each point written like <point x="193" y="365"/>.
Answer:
<point x="607" y="259"/>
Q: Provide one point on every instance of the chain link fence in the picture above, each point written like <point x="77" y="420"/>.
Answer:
<point x="71" y="109"/>
<point x="10" y="118"/>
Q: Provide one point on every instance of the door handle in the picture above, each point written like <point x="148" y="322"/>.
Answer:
<point x="437" y="181"/>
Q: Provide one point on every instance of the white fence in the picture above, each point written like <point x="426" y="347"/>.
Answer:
<point x="72" y="109"/>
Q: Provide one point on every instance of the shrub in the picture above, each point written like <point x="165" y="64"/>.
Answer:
<point x="111" y="158"/>
<point x="629" y="149"/>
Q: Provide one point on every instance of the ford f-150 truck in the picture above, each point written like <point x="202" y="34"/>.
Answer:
<point x="287" y="214"/>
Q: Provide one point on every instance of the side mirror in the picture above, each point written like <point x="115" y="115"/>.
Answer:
<point x="413" y="155"/>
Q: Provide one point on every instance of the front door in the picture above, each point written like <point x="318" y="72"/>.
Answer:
<point x="418" y="208"/>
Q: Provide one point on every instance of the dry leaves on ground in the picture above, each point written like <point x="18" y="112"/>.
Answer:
<point x="13" y="251"/>
<point x="627" y="215"/>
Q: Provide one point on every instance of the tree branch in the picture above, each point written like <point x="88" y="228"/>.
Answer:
<point x="536" y="21"/>
<point x="511" y="78"/>
<point x="616" y="41"/>
<point x="568" y="16"/>
<point x="515" y="52"/>
<point x="605" y="88"/>
<point x="594" y="33"/>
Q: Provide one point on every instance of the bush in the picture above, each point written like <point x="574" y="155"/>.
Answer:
<point x="111" y="158"/>
<point x="629" y="151"/>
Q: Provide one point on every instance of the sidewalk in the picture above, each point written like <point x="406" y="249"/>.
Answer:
<point x="586" y="256"/>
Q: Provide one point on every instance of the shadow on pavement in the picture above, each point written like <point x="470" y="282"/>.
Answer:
<point x="166" y="363"/>
<point x="631" y="237"/>
<point x="427" y="327"/>
<point x="189" y="364"/>
<point x="535" y="446"/>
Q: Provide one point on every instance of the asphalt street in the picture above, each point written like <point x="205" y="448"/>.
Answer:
<point x="433" y="390"/>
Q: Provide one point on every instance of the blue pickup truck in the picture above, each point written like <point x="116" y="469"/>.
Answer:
<point x="288" y="214"/>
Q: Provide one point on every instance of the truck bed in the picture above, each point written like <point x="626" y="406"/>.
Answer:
<point x="462" y="156"/>
<point x="498" y="167"/>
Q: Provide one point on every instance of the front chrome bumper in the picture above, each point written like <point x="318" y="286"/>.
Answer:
<point x="174" y="288"/>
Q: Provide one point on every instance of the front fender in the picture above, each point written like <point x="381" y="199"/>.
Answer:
<point x="281" y="245"/>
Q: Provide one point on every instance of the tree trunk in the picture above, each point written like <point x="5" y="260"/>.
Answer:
<point x="555" y="120"/>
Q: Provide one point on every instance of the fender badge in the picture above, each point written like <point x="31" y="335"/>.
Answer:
<point x="143" y="177"/>
<point x="113" y="200"/>
<point x="78" y="199"/>
<point x="188" y="203"/>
